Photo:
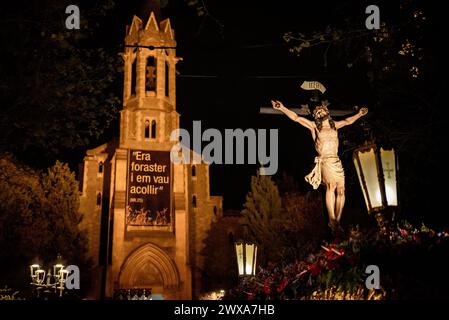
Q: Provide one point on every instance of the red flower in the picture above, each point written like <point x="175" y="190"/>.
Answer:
<point x="332" y="265"/>
<point x="315" y="269"/>
<point x="267" y="286"/>
<point x="416" y="238"/>
<point x="266" y="289"/>
<point x="300" y="267"/>
<point x="329" y="254"/>
<point x="282" y="285"/>
<point x="403" y="232"/>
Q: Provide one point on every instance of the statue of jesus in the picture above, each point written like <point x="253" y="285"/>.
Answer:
<point x="328" y="168"/>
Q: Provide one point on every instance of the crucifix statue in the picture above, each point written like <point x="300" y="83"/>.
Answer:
<point x="328" y="169"/>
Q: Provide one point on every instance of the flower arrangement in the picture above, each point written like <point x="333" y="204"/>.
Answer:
<point x="337" y="270"/>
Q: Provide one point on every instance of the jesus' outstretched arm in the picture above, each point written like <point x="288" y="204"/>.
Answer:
<point x="292" y="115"/>
<point x="352" y="119"/>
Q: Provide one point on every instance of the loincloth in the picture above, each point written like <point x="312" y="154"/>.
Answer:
<point x="327" y="170"/>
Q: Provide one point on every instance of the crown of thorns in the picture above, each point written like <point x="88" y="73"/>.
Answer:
<point x="323" y="107"/>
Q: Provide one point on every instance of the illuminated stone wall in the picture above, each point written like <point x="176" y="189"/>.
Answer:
<point x="169" y="262"/>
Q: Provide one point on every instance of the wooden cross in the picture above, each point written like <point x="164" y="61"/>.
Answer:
<point x="304" y="111"/>
<point x="388" y="171"/>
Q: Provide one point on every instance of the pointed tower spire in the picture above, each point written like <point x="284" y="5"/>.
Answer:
<point x="152" y="23"/>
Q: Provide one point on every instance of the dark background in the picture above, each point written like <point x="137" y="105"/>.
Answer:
<point x="234" y="66"/>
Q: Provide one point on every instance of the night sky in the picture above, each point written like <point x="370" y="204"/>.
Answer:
<point x="237" y="64"/>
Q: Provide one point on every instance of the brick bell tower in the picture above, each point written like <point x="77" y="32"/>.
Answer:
<point x="146" y="218"/>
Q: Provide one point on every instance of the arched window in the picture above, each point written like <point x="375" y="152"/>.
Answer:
<point x="151" y="74"/>
<point x="193" y="171"/>
<point x="99" y="199"/>
<point x="194" y="201"/>
<point x="153" y="129"/>
<point x="133" y="76"/>
<point x="167" y="80"/>
<point x="215" y="210"/>
<point x="147" y="129"/>
<point x="100" y="167"/>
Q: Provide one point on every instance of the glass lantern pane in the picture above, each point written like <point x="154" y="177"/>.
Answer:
<point x="57" y="268"/>
<point x="40" y="275"/>
<point x="255" y="259"/>
<point x="239" y="253"/>
<point x="249" y="258"/>
<point x="369" y="169"/>
<point x="357" y="168"/>
<point x="389" y="169"/>
<point x="33" y="269"/>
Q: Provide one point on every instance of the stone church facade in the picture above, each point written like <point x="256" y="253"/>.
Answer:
<point x="146" y="217"/>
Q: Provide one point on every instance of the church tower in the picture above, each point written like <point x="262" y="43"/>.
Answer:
<point x="146" y="218"/>
<point x="149" y="96"/>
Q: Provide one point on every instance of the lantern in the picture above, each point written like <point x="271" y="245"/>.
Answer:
<point x="377" y="170"/>
<point x="246" y="253"/>
<point x="33" y="269"/>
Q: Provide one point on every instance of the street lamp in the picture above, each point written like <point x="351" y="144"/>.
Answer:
<point x="41" y="280"/>
<point x="246" y="253"/>
<point x="377" y="169"/>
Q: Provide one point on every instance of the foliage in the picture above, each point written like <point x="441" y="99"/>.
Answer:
<point x="394" y="48"/>
<point x="261" y="214"/>
<point x="62" y="201"/>
<point x="203" y="11"/>
<point x="287" y="226"/>
<point x="302" y="224"/>
<point x="39" y="219"/>
<point x="58" y="91"/>
<point x="413" y="264"/>
<point x="220" y="266"/>
<point x="23" y="225"/>
<point x="9" y="294"/>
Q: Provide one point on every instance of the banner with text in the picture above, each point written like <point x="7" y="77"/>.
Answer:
<point x="149" y="188"/>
